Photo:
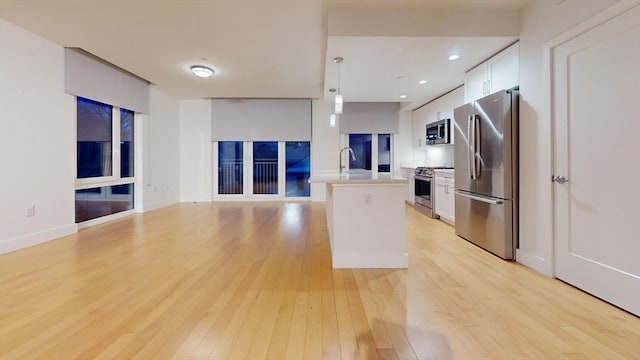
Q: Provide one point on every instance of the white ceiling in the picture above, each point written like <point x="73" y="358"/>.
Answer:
<point x="263" y="48"/>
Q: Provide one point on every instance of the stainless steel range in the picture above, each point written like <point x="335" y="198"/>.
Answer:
<point x="425" y="189"/>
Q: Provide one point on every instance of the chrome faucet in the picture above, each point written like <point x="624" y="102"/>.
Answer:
<point x="353" y="157"/>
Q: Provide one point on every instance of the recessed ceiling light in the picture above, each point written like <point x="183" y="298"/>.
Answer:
<point x="403" y="96"/>
<point x="454" y="57"/>
<point x="422" y="82"/>
<point x="201" y="71"/>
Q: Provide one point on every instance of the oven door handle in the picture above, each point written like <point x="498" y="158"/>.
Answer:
<point x="422" y="178"/>
<point x="484" y="199"/>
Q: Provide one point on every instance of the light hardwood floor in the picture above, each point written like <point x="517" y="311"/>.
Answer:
<point x="254" y="281"/>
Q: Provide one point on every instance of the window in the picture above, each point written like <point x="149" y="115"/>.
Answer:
<point x="265" y="167"/>
<point x="372" y="152"/>
<point x="93" y="203"/>
<point x="126" y="143"/>
<point x="384" y="153"/>
<point x="361" y="145"/>
<point x="262" y="169"/>
<point x="298" y="168"/>
<point x="94" y="139"/>
<point x="105" y="160"/>
<point x="230" y="167"/>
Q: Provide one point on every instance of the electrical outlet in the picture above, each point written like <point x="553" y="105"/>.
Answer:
<point x="30" y="211"/>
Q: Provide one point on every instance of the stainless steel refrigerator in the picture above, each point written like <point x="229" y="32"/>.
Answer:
<point x="486" y="176"/>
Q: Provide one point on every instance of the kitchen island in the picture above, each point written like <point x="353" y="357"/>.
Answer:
<point x="365" y="219"/>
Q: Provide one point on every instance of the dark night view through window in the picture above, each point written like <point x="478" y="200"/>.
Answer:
<point x="94" y="141"/>
<point x="126" y="143"/>
<point x="95" y="159"/>
<point x="298" y="168"/>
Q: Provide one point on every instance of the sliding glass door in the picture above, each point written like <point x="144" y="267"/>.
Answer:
<point x="372" y="152"/>
<point x="265" y="168"/>
<point x="262" y="169"/>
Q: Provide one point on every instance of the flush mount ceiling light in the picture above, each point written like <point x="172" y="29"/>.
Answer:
<point x="422" y="82"/>
<point x="201" y="71"/>
<point x="338" y="101"/>
<point x="403" y="96"/>
<point x="454" y="57"/>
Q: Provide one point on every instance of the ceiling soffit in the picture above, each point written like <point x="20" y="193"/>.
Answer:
<point x="380" y="22"/>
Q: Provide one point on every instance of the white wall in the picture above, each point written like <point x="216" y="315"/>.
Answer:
<point x="37" y="141"/>
<point x="195" y="150"/>
<point x="541" y="21"/>
<point x="402" y="149"/>
<point x="162" y="151"/>
<point x="325" y="145"/>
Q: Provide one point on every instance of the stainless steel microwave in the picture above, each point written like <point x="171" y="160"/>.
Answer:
<point x="438" y="132"/>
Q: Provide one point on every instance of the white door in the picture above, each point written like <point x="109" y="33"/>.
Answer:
<point x="597" y="148"/>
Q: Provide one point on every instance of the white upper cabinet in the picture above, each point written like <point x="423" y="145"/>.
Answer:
<point x="475" y="83"/>
<point x="499" y="72"/>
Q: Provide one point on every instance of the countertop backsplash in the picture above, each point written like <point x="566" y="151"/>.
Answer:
<point x="439" y="155"/>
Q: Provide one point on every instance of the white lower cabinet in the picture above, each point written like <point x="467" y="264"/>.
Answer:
<point x="445" y="199"/>
<point x="409" y="173"/>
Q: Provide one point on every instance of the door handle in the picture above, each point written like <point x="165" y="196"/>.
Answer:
<point x="487" y="200"/>
<point x="477" y="156"/>
<point x="559" y="179"/>
<point x="474" y="175"/>
<point x="469" y="147"/>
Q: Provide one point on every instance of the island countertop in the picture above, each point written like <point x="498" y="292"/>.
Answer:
<point x="356" y="177"/>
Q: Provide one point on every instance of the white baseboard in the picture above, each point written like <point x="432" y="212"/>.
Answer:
<point x="158" y="205"/>
<point x="25" y="241"/>
<point x="534" y="262"/>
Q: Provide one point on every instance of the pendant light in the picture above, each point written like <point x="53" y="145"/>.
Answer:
<point x="333" y="117"/>
<point x="338" y="101"/>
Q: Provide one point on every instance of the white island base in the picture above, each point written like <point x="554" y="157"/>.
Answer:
<point x="366" y="223"/>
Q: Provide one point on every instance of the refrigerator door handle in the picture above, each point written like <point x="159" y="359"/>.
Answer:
<point x="472" y="139"/>
<point x="483" y="199"/>
<point x="469" y="147"/>
<point x="477" y="154"/>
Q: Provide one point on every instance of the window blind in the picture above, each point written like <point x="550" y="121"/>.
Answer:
<point x="93" y="78"/>
<point x="261" y="119"/>
<point x="370" y="118"/>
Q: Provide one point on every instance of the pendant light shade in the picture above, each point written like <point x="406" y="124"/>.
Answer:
<point x="332" y="120"/>
<point x="338" y="104"/>
<point x="338" y="101"/>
